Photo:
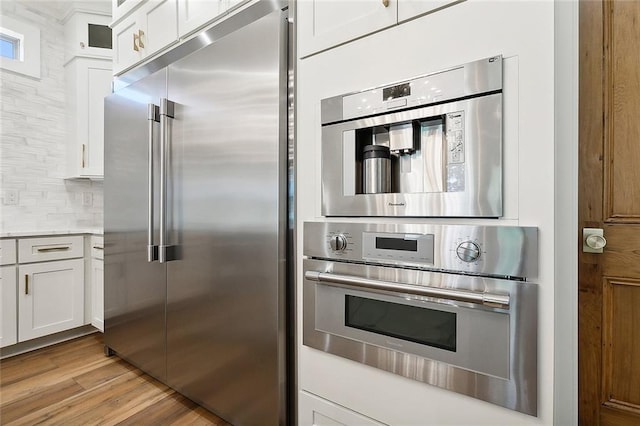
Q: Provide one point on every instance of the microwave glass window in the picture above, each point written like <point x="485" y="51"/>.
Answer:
<point x="420" y="325"/>
<point x="396" y="244"/>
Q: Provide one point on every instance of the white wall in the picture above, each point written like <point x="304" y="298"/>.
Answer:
<point x="523" y="32"/>
<point x="33" y="137"/>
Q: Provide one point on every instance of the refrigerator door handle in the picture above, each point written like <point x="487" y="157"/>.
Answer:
<point x="166" y="112"/>
<point x="153" y="116"/>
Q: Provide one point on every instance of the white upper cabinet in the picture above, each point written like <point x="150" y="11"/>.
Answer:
<point x="88" y="77"/>
<point x="408" y="9"/>
<point x="90" y="82"/>
<point x="149" y="29"/>
<point x="323" y="24"/>
<point x="142" y="28"/>
<point x="87" y="34"/>
<point x="196" y="13"/>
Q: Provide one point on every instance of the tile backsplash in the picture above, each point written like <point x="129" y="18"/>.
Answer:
<point x="35" y="194"/>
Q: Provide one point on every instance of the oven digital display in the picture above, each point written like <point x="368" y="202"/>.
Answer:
<point x="394" y="92"/>
<point x="420" y="325"/>
<point x="396" y="244"/>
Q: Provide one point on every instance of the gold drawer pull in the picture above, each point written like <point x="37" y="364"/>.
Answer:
<point x="52" y="249"/>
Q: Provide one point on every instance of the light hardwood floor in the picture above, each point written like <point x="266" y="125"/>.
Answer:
<point x="74" y="383"/>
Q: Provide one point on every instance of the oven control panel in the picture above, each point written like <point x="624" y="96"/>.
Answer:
<point x="508" y="251"/>
<point x="411" y="248"/>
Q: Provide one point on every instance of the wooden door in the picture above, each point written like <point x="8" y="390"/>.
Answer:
<point x="609" y="198"/>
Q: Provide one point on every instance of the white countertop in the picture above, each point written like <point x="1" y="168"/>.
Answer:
<point x="46" y="232"/>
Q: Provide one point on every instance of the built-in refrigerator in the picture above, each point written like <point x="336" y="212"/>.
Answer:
<point x="197" y="219"/>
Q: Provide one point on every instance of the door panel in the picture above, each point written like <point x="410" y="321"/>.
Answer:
<point x="135" y="290"/>
<point x="623" y="105"/>
<point x="227" y="216"/>
<point x="621" y="344"/>
<point x="609" y="198"/>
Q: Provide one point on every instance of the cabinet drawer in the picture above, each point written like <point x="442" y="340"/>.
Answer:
<point x="7" y="252"/>
<point x="50" y="248"/>
<point x="97" y="247"/>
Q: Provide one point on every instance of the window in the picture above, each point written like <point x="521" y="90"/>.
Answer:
<point x="9" y="46"/>
<point x="20" y="47"/>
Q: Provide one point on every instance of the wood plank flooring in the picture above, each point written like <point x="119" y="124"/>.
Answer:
<point x="74" y="383"/>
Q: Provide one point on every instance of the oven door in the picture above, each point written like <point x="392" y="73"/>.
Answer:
<point x="472" y="335"/>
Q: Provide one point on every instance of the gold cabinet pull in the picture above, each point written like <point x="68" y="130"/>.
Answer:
<point x="385" y="3"/>
<point x="50" y="249"/>
<point x="82" y="160"/>
<point x="26" y="284"/>
<point x="135" y="40"/>
<point x="140" y="35"/>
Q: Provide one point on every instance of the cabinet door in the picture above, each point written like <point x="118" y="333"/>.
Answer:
<point x="323" y="24"/>
<point x="97" y="294"/>
<point x="126" y="46"/>
<point x="98" y="86"/>
<point x="149" y="29"/>
<point x="315" y="411"/>
<point x="195" y="13"/>
<point x="50" y="297"/>
<point x="159" y="18"/>
<point x="8" y="304"/>
<point x="408" y="9"/>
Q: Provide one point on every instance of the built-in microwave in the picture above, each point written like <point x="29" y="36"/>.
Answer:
<point x="430" y="146"/>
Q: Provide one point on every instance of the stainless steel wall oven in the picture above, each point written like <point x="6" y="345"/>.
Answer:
<point x="429" y="146"/>
<point x="448" y="305"/>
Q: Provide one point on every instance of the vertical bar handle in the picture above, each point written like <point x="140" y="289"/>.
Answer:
<point x="26" y="284"/>
<point x="135" y="40"/>
<point x="83" y="155"/>
<point x="153" y="116"/>
<point x="166" y="112"/>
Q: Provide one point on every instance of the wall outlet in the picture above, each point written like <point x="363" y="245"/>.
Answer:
<point x="10" y="197"/>
<point x="87" y="199"/>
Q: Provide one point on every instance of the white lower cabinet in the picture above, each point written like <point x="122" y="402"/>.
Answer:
<point x="316" y="411"/>
<point x="97" y="283"/>
<point x="8" y="315"/>
<point x="50" y="297"/>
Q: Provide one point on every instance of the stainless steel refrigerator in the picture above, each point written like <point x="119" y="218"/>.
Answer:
<point x="196" y="217"/>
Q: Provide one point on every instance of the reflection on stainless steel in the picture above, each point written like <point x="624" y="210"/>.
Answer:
<point x="483" y="298"/>
<point x="491" y="352"/>
<point x="505" y="251"/>
<point x="209" y="318"/>
<point x="135" y="290"/>
<point x="445" y="135"/>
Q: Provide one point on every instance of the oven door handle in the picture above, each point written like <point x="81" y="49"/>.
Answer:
<point x="477" y="297"/>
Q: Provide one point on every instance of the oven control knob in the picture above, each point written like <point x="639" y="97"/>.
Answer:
<point x="338" y="242"/>
<point x="468" y="251"/>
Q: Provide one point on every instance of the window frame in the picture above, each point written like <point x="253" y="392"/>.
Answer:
<point x="27" y="61"/>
